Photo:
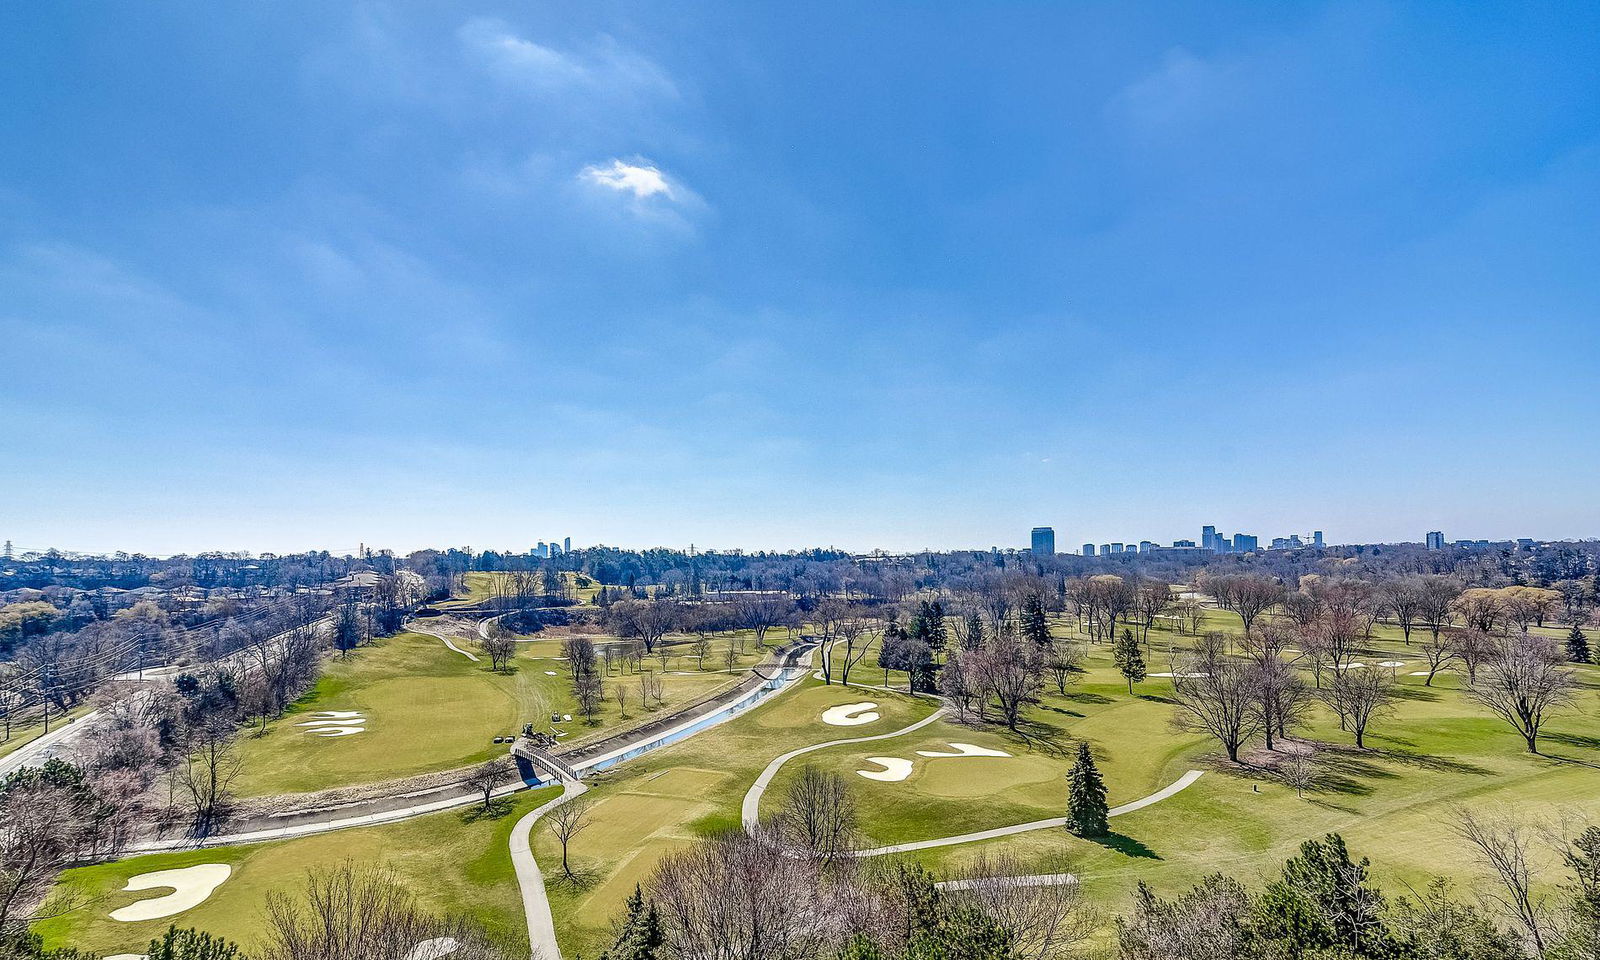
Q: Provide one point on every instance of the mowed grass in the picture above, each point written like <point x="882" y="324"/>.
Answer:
<point x="427" y="708"/>
<point x="480" y="585"/>
<point x="666" y="799"/>
<point x="456" y="863"/>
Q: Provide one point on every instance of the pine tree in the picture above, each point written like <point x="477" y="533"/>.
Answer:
<point x="1086" y="796"/>
<point x="938" y="636"/>
<point x="1578" y="646"/>
<point x="191" y="944"/>
<point x="1129" y="659"/>
<point x="974" y="638"/>
<point x="640" y="936"/>
<point x="1035" y="625"/>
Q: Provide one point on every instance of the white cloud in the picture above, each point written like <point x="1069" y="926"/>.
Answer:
<point x="643" y="181"/>
<point x="604" y="68"/>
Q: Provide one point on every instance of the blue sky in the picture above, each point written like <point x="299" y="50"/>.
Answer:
<point x="277" y="276"/>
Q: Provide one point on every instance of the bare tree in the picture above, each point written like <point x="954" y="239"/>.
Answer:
<point x="1436" y="598"/>
<point x="566" y="821"/>
<point x="350" y="911"/>
<point x="619" y="691"/>
<point x="206" y="773"/>
<point x="499" y="647"/>
<point x="1438" y="651"/>
<point x="1300" y="770"/>
<point x="1217" y="695"/>
<point x="1473" y="648"/>
<point x="1357" y="695"/>
<point x="819" y="814"/>
<point x="1402" y="600"/>
<point x="1281" y="697"/>
<point x="1522" y="682"/>
<point x="489" y="774"/>
<point x="1009" y="670"/>
<point x="1503" y="848"/>
<point x="1044" y="916"/>
<point x="650" y="689"/>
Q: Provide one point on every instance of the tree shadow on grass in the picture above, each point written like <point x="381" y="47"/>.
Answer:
<point x="1081" y="697"/>
<point x="1573" y="740"/>
<point x="582" y="878"/>
<point x="1070" y="713"/>
<point x="1428" y="761"/>
<point x="1125" y="845"/>
<point x="498" y="807"/>
<point x="1424" y="694"/>
<point x="1156" y="698"/>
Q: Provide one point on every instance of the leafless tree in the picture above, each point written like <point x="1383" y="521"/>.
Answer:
<point x="646" y="620"/>
<point x="1042" y="919"/>
<point x="205" y="775"/>
<point x="1217" y="695"/>
<point x="650" y="689"/>
<point x="1246" y="595"/>
<point x="1402" y="600"/>
<point x="1062" y="660"/>
<point x="351" y="912"/>
<point x="1438" y="651"/>
<point x="858" y="632"/>
<point x="566" y="821"/>
<point x="819" y="814"/>
<point x="1300" y="770"/>
<point x="1357" y="695"/>
<point x="489" y="774"/>
<point x="1503" y="847"/>
<point x="499" y="647"/>
<point x="1473" y="648"/>
<point x="1009" y="670"/>
<point x="619" y="692"/>
<point x="1522" y="682"/>
<point x="1280" y="696"/>
<point x="1436" y="597"/>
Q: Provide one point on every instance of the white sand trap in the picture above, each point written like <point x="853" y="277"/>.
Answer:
<point x="549" y="673"/>
<point x="129" y="956"/>
<point x="190" y="887"/>
<point x="894" y="769"/>
<point x="1417" y="673"/>
<point x="1351" y="666"/>
<point x="851" y="715"/>
<point x="334" y="723"/>
<point x="435" y="949"/>
<point x="965" y="750"/>
<point x="337" y="731"/>
<point x="1392" y="663"/>
<point x="1186" y="676"/>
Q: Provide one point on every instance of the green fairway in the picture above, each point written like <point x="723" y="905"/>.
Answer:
<point x="456" y="863"/>
<point x="666" y="798"/>
<point x="424" y="708"/>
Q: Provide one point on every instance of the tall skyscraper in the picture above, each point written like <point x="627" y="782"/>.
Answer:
<point x="1435" y="540"/>
<point x="1088" y="549"/>
<point x="1208" y="538"/>
<point x="566" y="544"/>
<point x="1245" y="543"/>
<point x="1044" y="542"/>
<point x="1316" y="539"/>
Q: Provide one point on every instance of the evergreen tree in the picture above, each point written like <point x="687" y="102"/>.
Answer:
<point x="1129" y="659"/>
<point x="1087" y="810"/>
<point x="640" y="937"/>
<point x="191" y="944"/>
<point x="938" y="636"/>
<point x="1035" y="625"/>
<point x="1325" y="902"/>
<point x="1578" y="646"/>
<point x="974" y="637"/>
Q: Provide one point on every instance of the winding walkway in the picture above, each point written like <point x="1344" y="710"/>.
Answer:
<point x="434" y="633"/>
<point x="530" y="879"/>
<point x="749" y="813"/>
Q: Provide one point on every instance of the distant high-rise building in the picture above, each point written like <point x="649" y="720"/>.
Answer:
<point x="1316" y="539"/>
<point x="1183" y="543"/>
<point x="1116" y="548"/>
<point x="1435" y="540"/>
<point x="1245" y="543"/>
<point x="1088" y="549"/>
<point x="1043" y="543"/>
<point x="1209" y="538"/>
<point x="8" y="549"/>
<point x="1145" y="546"/>
<point x="541" y="550"/>
<point x="1105" y="548"/>
<point x="566" y="544"/>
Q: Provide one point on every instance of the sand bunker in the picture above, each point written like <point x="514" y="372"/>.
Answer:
<point x="1392" y="663"/>
<point x="965" y="750"/>
<point x="851" y="715"/>
<point x="894" y="769"/>
<point x="129" y="956"/>
<point x="1418" y="673"/>
<point x="335" y="723"/>
<point x="1186" y="676"/>
<point x="549" y="673"/>
<point x="435" y="949"/>
<point x="190" y="887"/>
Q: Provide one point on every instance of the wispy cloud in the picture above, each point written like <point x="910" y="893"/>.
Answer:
<point x="642" y="180"/>
<point x="604" y="67"/>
